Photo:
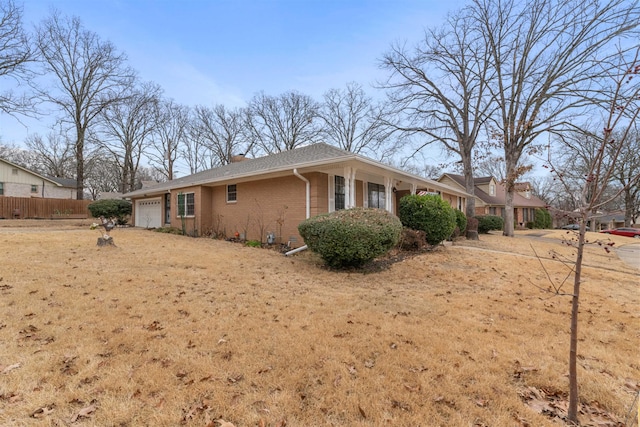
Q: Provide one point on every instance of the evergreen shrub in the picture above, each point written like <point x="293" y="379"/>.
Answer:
<point x="430" y="214"/>
<point x="352" y="237"/>
<point x="487" y="223"/>
<point x="111" y="208"/>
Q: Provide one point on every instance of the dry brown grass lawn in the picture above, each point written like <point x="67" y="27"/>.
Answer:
<point x="166" y="330"/>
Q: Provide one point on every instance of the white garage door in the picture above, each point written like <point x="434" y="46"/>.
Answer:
<point x="149" y="213"/>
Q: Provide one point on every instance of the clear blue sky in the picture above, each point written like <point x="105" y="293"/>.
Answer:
<point x="224" y="51"/>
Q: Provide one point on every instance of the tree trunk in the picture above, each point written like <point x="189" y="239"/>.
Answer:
<point x="511" y="162"/>
<point x="628" y="208"/>
<point x="79" y="152"/>
<point x="469" y="183"/>
<point x="573" y="347"/>
<point x="509" y="218"/>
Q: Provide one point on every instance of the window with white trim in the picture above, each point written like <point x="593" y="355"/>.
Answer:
<point x="339" y="194"/>
<point x="186" y="204"/>
<point x="376" y="195"/>
<point x="34" y="188"/>
<point x="232" y="193"/>
<point x="492" y="189"/>
<point x="1" y="188"/>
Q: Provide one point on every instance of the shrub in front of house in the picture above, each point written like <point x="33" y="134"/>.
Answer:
<point x="430" y="214"/>
<point x="487" y="223"/>
<point x="461" y="220"/>
<point x="351" y="237"/>
<point x="461" y="224"/>
<point x="412" y="240"/>
<point x="111" y="208"/>
<point x="542" y="219"/>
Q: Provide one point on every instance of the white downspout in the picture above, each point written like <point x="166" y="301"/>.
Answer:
<point x="308" y="185"/>
<point x="308" y="210"/>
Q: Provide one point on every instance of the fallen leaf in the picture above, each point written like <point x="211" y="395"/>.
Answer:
<point x="223" y="423"/>
<point x="336" y="380"/>
<point x="400" y="405"/>
<point x="43" y="412"/>
<point x="84" y="412"/>
<point x="481" y="403"/>
<point x="362" y="412"/>
<point x="235" y="378"/>
<point x="11" y="367"/>
<point x="411" y="388"/>
<point x="369" y="363"/>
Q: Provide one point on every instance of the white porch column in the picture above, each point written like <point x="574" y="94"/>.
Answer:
<point x="352" y="192"/>
<point x="349" y="187"/>
<point x="388" y="194"/>
<point x="414" y="188"/>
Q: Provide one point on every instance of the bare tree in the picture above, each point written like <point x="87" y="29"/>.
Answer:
<point x="102" y="173"/>
<point x="55" y="155"/>
<point x="17" y="155"/>
<point x="620" y="116"/>
<point x="125" y="129"/>
<point x="625" y="170"/>
<point x="220" y="130"/>
<point x="352" y="121"/>
<point x="493" y="166"/>
<point x="89" y="75"/>
<point x="546" y="55"/>
<point x="441" y="87"/>
<point x="15" y="55"/>
<point x="168" y="137"/>
<point x="276" y="124"/>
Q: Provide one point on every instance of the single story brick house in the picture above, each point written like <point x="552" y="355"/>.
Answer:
<point x="491" y="196"/>
<point x="271" y="195"/>
<point x="17" y="181"/>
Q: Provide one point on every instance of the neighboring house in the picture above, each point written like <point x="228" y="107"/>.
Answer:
<point x="609" y="220"/>
<point x="273" y="194"/>
<point x="17" y="181"/>
<point x="491" y="196"/>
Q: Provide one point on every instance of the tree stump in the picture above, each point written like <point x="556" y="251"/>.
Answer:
<point x="106" y="242"/>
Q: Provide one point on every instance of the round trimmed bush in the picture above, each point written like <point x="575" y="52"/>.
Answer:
<point x="430" y="214"/>
<point x="487" y="223"/>
<point x="111" y="208"/>
<point x="352" y="237"/>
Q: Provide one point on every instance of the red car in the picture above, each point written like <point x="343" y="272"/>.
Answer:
<point x="625" y="231"/>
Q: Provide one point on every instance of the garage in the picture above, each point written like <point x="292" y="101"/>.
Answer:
<point x="148" y="213"/>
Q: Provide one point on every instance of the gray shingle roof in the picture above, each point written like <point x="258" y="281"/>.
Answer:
<point x="65" y="182"/>
<point x="316" y="154"/>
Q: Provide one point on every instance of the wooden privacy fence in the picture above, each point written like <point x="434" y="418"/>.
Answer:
<point x="39" y="208"/>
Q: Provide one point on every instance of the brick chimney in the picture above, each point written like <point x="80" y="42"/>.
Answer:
<point x="238" y="158"/>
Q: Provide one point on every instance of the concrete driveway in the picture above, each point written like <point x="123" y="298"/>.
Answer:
<point x="630" y="254"/>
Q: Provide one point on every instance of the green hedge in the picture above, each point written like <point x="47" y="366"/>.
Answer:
<point x="542" y="219"/>
<point x="430" y="214"/>
<point x="487" y="223"/>
<point x="352" y="237"/>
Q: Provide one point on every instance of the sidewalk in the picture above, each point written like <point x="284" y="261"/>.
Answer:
<point x="630" y="254"/>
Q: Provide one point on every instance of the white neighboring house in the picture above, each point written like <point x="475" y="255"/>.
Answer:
<point x="17" y="181"/>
